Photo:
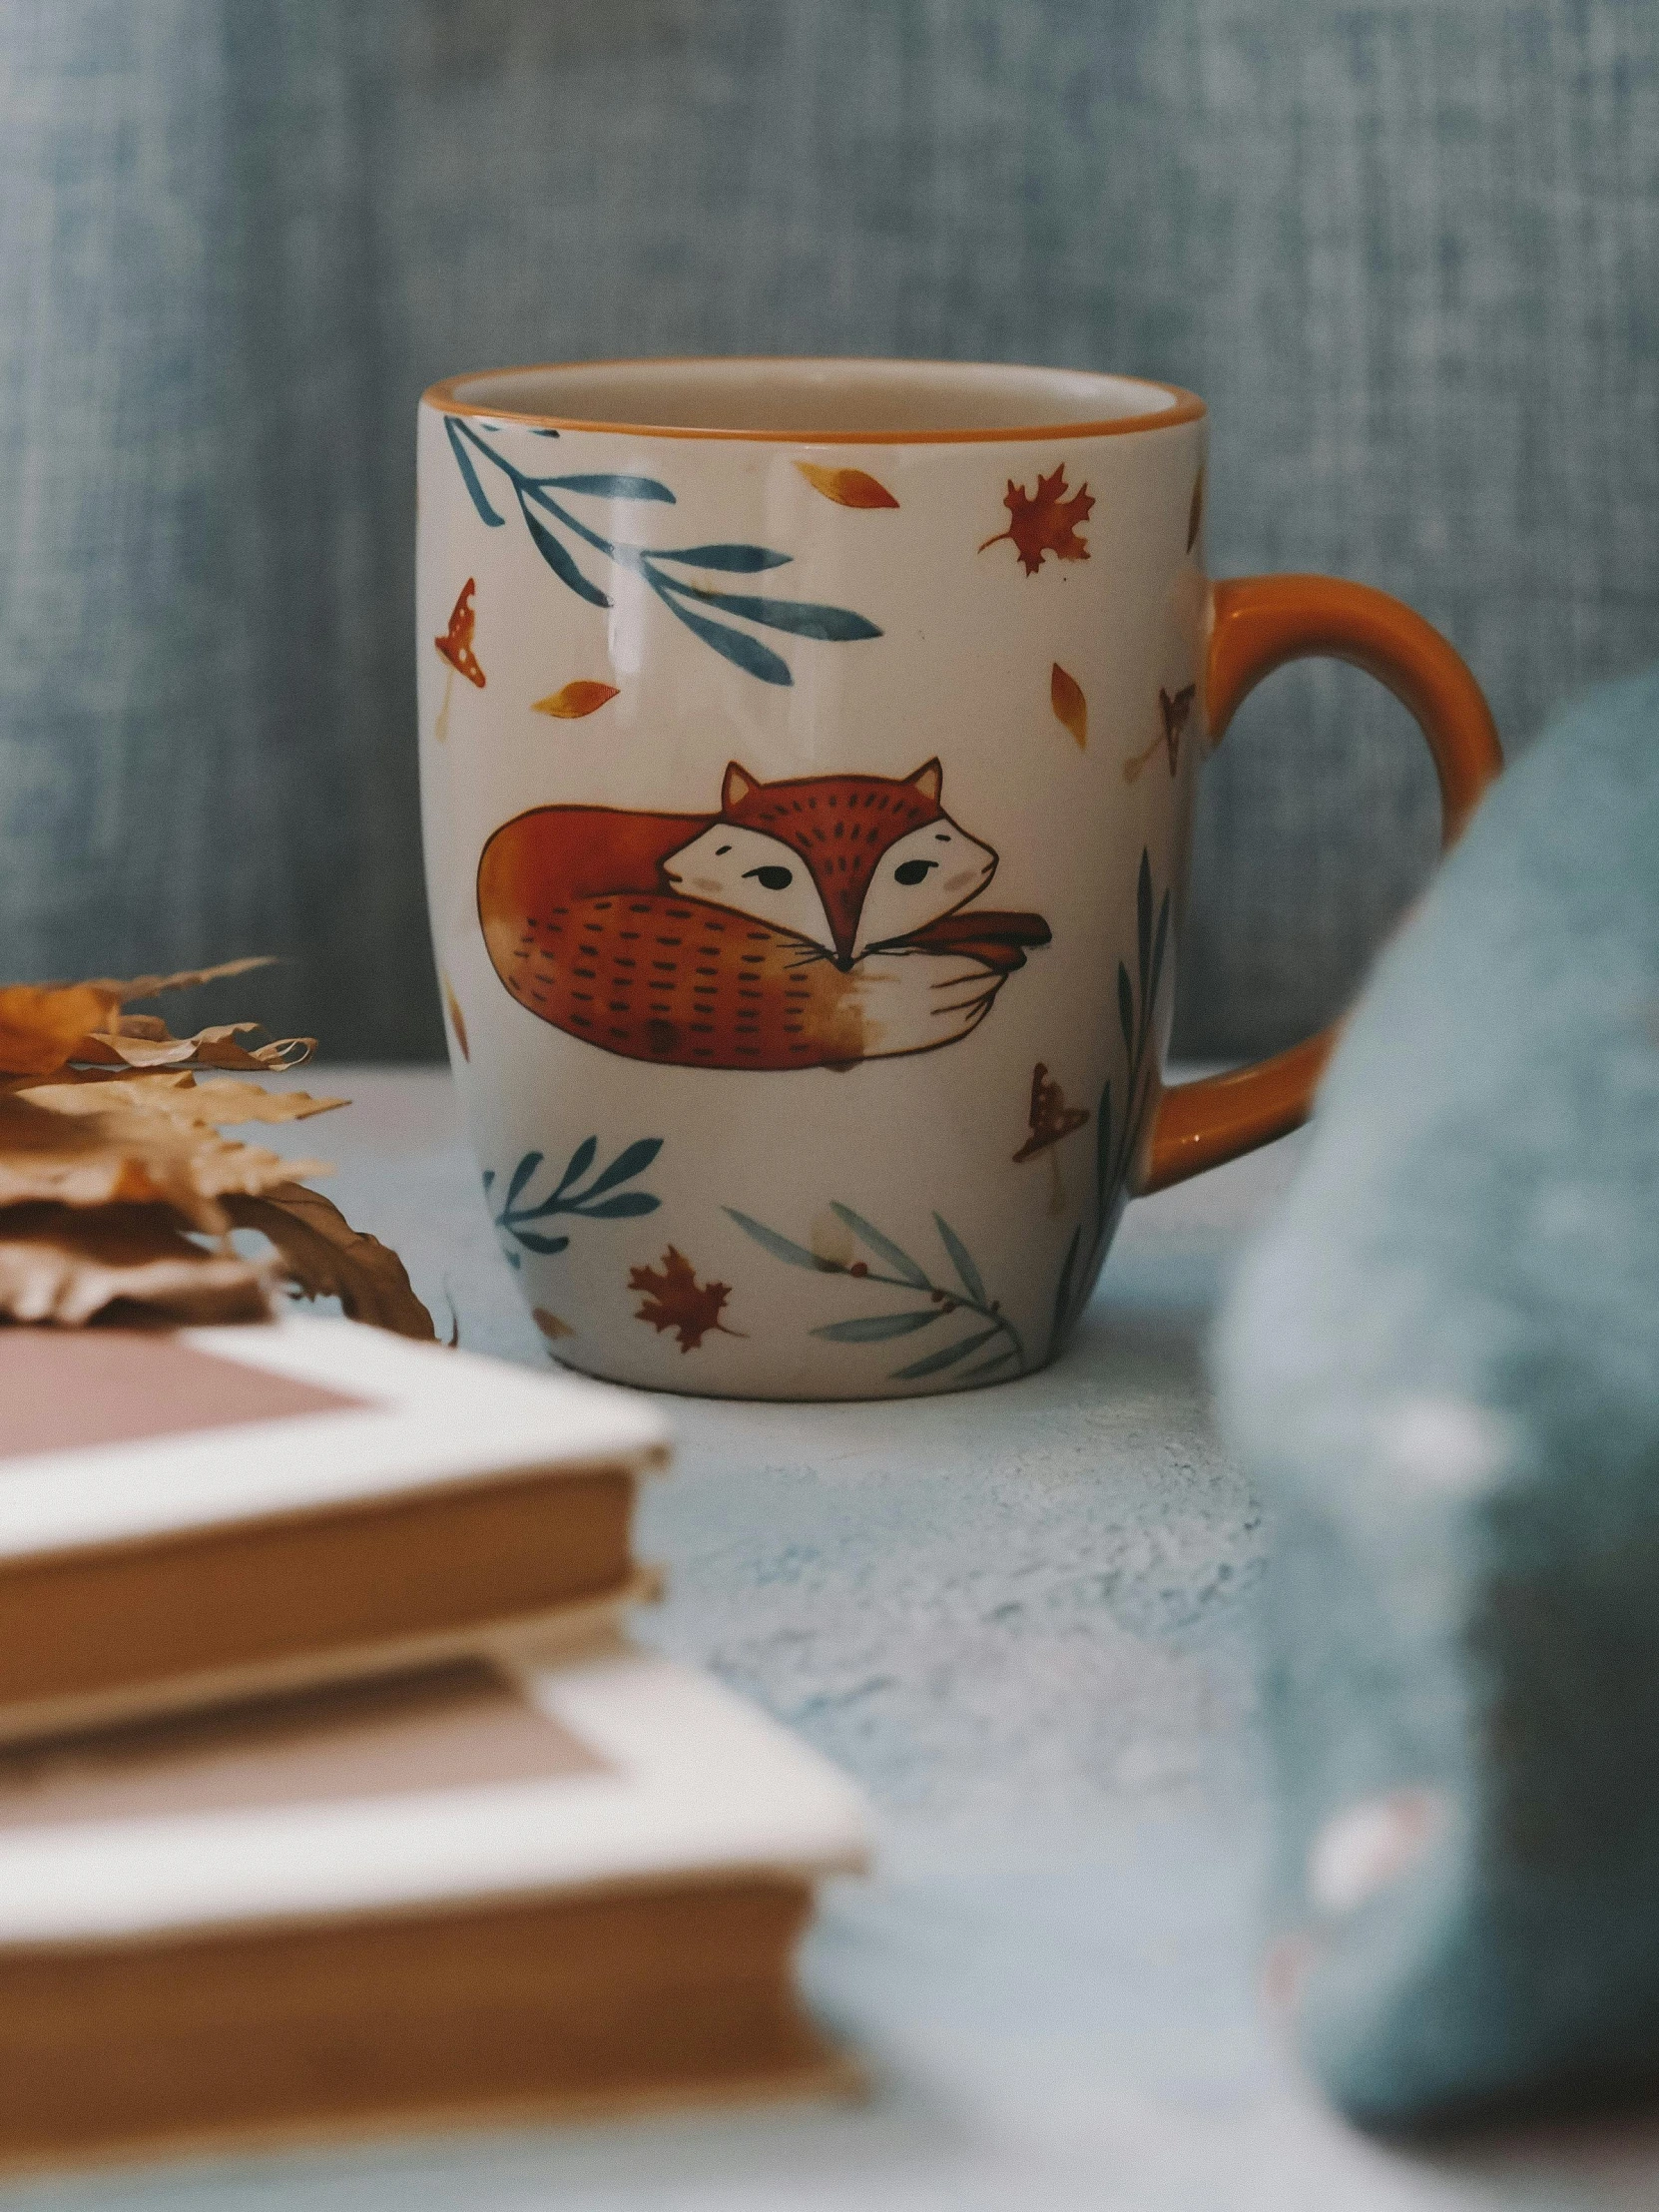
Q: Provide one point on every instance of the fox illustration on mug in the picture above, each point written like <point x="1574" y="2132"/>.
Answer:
<point x="811" y="922"/>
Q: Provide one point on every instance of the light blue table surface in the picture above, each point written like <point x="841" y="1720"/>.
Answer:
<point x="1020" y="1618"/>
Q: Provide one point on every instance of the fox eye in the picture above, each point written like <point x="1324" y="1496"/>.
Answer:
<point x="912" y="872"/>
<point x="770" y="878"/>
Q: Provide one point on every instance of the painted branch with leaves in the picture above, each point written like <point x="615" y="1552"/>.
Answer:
<point x="545" y="505"/>
<point x="513" y="1222"/>
<point x="966" y="1295"/>
<point x="1114" y="1162"/>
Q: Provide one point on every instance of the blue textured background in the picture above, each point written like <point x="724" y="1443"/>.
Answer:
<point x="1408" y="250"/>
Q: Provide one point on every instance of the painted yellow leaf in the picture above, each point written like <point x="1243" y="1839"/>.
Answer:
<point x="551" y="1327"/>
<point x="572" y="701"/>
<point x="848" y="487"/>
<point x="452" y="1006"/>
<point x="1065" y="694"/>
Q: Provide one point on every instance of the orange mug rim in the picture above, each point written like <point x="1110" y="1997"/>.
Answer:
<point x="442" y="397"/>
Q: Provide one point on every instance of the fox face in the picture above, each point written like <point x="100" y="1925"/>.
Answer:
<point x="846" y="862"/>
<point x="928" y="873"/>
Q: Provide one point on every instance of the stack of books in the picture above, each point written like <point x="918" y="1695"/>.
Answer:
<point x="332" y="1795"/>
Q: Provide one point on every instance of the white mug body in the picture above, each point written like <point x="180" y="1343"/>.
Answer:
<point x="807" y="755"/>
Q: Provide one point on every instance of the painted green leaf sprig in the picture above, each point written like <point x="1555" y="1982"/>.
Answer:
<point x="543" y="502"/>
<point x="593" y="1204"/>
<point x="966" y="1295"/>
<point x="1113" y="1161"/>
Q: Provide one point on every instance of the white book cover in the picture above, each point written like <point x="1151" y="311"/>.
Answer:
<point x="200" y="1514"/>
<point x="110" y="1438"/>
<point x="610" y="1771"/>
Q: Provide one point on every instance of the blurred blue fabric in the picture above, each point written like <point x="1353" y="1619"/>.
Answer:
<point x="1437" y="1372"/>
<point x="1408" y="250"/>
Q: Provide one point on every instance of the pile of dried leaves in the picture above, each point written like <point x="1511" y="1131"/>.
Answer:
<point x="117" y="1189"/>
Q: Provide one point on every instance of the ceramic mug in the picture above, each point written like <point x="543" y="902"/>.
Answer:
<point x="807" y="763"/>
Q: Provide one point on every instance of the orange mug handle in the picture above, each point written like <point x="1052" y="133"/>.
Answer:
<point x="1258" y="623"/>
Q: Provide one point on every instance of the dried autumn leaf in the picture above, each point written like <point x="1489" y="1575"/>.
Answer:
<point x="676" y="1299"/>
<point x="452" y="1006"/>
<point x="177" y="1095"/>
<point x="572" y="701"/>
<point x="848" y="487"/>
<point x="183" y="979"/>
<point x="129" y="1156"/>
<point x="456" y="643"/>
<point x="65" y="1265"/>
<point x="1065" y="696"/>
<point x="101" y="1165"/>
<point x="40" y="1026"/>
<point x="229" y="1105"/>
<point x="326" y="1258"/>
<point x="144" y="1041"/>
<point x="218" y="1048"/>
<point x="78" y="1031"/>
<point x="1045" y="521"/>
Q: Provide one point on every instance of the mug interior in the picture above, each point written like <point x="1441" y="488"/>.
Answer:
<point x="869" y="401"/>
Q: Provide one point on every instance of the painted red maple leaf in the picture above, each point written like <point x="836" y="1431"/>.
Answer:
<point x="676" y="1299"/>
<point x="1045" y="521"/>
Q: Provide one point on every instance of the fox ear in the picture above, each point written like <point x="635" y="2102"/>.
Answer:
<point x="736" y="786"/>
<point x="928" y="779"/>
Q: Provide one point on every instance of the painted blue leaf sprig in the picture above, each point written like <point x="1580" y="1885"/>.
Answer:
<point x="514" y="1220"/>
<point x="966" y="1295"/>
<point x="1113" y="1161"/>
<point x="543" y="501"/>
